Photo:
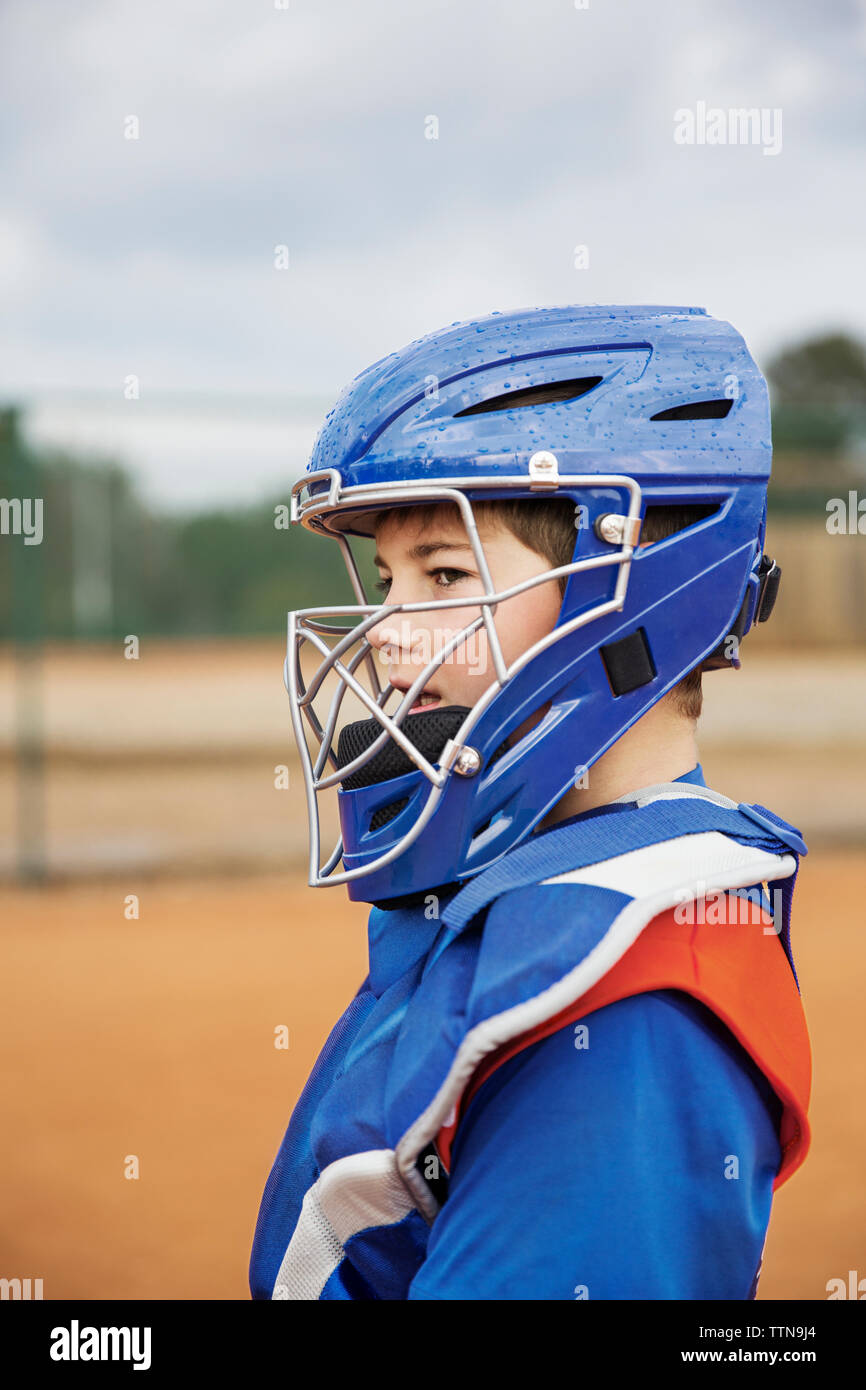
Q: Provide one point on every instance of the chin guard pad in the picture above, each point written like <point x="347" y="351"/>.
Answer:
<point x="428" y="731"/>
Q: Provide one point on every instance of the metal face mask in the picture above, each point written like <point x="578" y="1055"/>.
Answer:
<point x="394" y="768"/>
<point x="615" y="408"/>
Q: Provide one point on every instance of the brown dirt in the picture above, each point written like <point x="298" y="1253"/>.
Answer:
<point x="154" y="1038"/>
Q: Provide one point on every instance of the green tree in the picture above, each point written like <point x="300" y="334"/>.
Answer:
<point x="824" y="371"/>
<point x="818" y="395"/>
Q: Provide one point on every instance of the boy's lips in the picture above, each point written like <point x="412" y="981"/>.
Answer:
<point x="427" y="699"/>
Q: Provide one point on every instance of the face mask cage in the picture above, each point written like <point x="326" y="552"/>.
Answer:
<point x="311" y="627"/>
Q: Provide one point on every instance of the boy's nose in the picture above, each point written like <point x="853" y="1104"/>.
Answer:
<point x="394" y="637"/>
<point x="390" y="630"/>
<point x="401" y="639"/>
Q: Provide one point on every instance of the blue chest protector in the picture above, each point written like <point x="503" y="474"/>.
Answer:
<point x="356" y="1187"/>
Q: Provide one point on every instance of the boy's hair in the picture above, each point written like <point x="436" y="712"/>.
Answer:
<point x="547" y="526"/>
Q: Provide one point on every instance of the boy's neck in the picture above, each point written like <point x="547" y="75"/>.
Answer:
<point x="660" y="747"/>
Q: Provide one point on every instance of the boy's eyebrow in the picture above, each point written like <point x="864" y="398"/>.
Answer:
<point x="420" y="552"/>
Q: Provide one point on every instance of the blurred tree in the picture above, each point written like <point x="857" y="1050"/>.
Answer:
<point x="825" y="371"/>
<point x="242" y="573"/>
<point x="111" y="564"/>
<point x="818" y="395"/>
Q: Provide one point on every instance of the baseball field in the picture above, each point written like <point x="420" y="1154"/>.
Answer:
<point x="172" y="934"/>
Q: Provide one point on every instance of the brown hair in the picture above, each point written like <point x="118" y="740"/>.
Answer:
<point x="547" y="526"/>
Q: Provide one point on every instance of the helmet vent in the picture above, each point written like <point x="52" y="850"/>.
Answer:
<point x="534" y="395"/>
<point x="386" y="813"/>
<point x="696" y="410"/>
<point x="659" y="522"/>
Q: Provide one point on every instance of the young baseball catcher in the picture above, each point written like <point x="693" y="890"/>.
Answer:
<point x="578" y="1066"/>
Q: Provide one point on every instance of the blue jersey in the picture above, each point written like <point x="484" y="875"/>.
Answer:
<point x="600" y="1172"/>
<point x="632" y="1156"/>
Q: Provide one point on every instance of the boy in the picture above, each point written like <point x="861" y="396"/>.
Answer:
<point x="572" y="1071"/>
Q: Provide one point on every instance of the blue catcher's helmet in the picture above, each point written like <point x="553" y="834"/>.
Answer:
<point x="615" y="408"/>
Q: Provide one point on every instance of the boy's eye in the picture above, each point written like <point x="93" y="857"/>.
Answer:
<point x="383" y="585"/>
<point x="460" y="574"/>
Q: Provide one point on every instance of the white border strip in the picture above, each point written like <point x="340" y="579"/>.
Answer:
<point x="350" y="1195"/>
<point x="655" y="867"/>
<point x="675" y="791"/>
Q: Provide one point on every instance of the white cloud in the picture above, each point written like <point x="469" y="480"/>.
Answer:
<point x="305" y="126"/>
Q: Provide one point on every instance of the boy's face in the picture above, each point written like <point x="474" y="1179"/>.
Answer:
<point x="431" y="558"/>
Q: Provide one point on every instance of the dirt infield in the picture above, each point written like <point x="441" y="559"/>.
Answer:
<point x="155" y="1038"/>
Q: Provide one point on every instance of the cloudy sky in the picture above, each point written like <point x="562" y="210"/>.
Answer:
<point x="304" y="124"/>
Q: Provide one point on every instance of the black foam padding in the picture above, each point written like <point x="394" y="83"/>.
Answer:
<point x="420" y="898"/>
<point x="428" y="731"/>
<point x="628" y="662"/>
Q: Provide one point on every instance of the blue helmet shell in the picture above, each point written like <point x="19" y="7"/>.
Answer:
<point x="667" y="396"/>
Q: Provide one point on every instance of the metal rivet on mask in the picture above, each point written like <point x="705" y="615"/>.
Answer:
<point x="609" y="528"/>
<point x="467" y="762"/>
<point x="618" y="530"/>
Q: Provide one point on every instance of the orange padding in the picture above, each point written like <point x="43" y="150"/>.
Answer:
<point x="737" y="970"/>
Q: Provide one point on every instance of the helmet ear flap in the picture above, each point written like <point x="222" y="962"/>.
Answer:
<point x="767" y="578"/>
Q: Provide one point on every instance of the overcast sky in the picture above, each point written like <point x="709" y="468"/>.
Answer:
<point x="304" y="126"/>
